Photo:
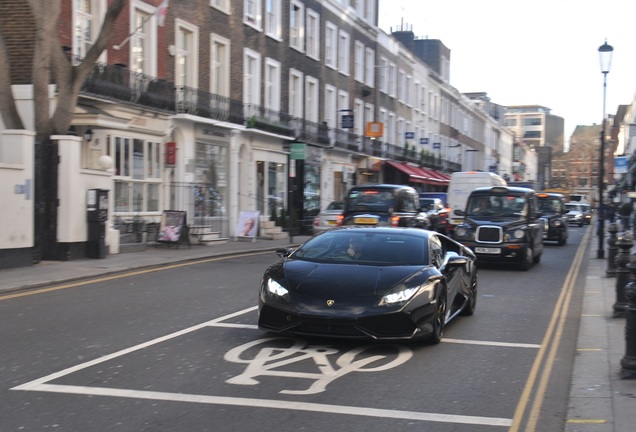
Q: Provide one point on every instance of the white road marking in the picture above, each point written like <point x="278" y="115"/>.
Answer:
<point x="275" y="404"/>
<point x="41" y="385"/>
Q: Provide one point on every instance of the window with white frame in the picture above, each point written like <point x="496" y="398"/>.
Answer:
<point x="87" y="15"/>
<point x="383" y="72"/>
<point x="330" y="107"/>
<point x="408" y="90"/>
<point x="390" y="136"/>
<point x="343" y="52"/>
<point x="220" y="66"/>
<point x="358" y="72"/>
<point x="313" y="34"/>
<point x="137" y="165"/>
<point x="186" y="54"/>
<point x="369" y="114"/>
<point x="423" y="97"/>
<point x="392" y="79"/>
<point x="311" y="99"/>
<point x="383" y="118"/>
<point x="331" y="34"/>
<point x="400" y="132"/>
<point x="273" y="18"/>
<point x="222" y="5"/>
<point x="252" y="13"/>
<point x="295" y="93"/>
<point x="416" y="95"/>
<point x="369" y="67"/>
<point x="143" y="55"/>
<point x="251" y="80"/>
<point x="401" y="82"/>
<point x="272" y="85"/>
<point x="296" y="25"/>
<point x="343" y="104"/>
<point x="358" y="119"/>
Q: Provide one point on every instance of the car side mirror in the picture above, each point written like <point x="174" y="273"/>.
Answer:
<point x="284" y="252"/>
<point x="460" y="212"/>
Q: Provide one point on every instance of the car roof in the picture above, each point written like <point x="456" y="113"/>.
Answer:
<point x="541" y="195"/>
<point x="503" y="189"/>
<point x="382" y="186"/>
<point x="383" y="230"/>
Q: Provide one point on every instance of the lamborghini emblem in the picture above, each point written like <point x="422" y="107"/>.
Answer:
<point x="330" y="302"/>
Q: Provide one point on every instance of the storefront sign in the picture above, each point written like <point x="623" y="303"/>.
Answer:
<point x="298" y="151"/>
<point x="171" y="154"/>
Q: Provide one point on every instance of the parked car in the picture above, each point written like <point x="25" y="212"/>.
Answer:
<point x="554" y="214"/>
<point x="586" y="209"/>
<point x="328" y="218"/>
<point x="575" y="215"/>
<point x="502" y="225"/>
<point x="407" y="283"/>
<point x="437" y="213"/>
<point x="384" y="205"/>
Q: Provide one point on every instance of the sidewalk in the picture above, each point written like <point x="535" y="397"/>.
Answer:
<point x="602" y="395"/>
<point x="55" y="272"/>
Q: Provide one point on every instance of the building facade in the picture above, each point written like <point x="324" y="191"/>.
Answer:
<point x="217" y="107"/>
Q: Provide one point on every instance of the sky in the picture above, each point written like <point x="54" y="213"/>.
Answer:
<point x="543" y="52"/>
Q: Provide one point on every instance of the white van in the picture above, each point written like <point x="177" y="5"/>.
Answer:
<point x="461" y="185"/>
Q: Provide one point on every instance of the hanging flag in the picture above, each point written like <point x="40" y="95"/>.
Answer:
<point x="161" y="12"/>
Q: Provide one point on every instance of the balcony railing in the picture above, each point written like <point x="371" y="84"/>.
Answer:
<point x="117" y="83"/>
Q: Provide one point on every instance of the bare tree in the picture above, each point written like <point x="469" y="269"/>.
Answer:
<point x="51" y="64"/>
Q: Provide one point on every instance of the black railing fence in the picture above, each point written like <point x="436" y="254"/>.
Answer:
<point x="115" y="82"/>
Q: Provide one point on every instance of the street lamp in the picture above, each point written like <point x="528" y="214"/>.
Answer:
<point x="605" y="56"/>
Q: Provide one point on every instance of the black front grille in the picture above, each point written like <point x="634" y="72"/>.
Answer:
<point x="489" y="234"/>
<point x="397" y="325"/>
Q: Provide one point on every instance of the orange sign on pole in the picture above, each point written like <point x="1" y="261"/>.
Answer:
<point x="374" y="129"/>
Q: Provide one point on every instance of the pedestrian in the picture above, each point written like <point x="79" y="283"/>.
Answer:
<point x="625" y="212"/>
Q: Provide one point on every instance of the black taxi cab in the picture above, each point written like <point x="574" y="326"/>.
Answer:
<point x="502" y="225"/>
<point x="554" y="214"/>
<point x="384" y="205"/>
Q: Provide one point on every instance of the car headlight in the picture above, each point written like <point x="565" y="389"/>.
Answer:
<point x="556" y="223"/>
<point x="518" y="234"/>
<point x="275" y="288"/>
<point x="461" y="231"/>
<point x="400" y="296"/>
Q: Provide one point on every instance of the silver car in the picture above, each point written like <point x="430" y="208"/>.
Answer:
<point x="328" y="218"/>
<point x="574" y="214"/>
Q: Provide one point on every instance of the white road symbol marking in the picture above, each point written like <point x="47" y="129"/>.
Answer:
<point x="271" y="360"/>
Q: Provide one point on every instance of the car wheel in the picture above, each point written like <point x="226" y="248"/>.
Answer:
<point x="536" y="259"/>
<point x="526" y="263"/>
<point x="471" y="302"/>
<point x="563" y="240"/>
<point x="439" y="317"/>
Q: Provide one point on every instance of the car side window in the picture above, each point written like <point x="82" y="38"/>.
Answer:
<point x="436" y="252"/>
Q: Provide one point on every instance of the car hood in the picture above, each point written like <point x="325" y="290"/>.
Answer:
<point x="340" y="281"/>
<point x="496" y="221"/>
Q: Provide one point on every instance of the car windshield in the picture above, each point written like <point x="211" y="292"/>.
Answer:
<point x="427" y="204"/>
<point x="335" y="205"/>
<point x="573" y="207"/>
<point x="550" y="205"/>
<point x="496" y="206"/>
<point x="345" y="247"/>
<point x="376" y="200"/>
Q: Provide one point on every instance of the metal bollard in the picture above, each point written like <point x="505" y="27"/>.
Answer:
<point x="629" y="360"/>
<point x="612" y="250"/>
<point x="624" y="243"/>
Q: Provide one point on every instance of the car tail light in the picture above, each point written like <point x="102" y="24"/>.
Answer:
<point x="339" y="219"/>
<point x="395" y="220"/>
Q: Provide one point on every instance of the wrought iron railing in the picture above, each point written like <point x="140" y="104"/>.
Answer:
<point x="115" y="82"/>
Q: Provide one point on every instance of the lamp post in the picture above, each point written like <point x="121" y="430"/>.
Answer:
<point x="605" y="56"/>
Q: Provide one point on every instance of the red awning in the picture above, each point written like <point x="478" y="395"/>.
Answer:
<point x="436" y="176"/>
<point x="414" y="173"/>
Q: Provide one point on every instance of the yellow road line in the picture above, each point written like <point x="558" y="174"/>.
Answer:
<point x="549" y="347"/>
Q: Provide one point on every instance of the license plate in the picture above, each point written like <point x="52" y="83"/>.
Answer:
<point x="485" y="250"/>
<point x="365" y="221"/>
<point x="457" y="221"/>
<point x="331" y="222"/>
